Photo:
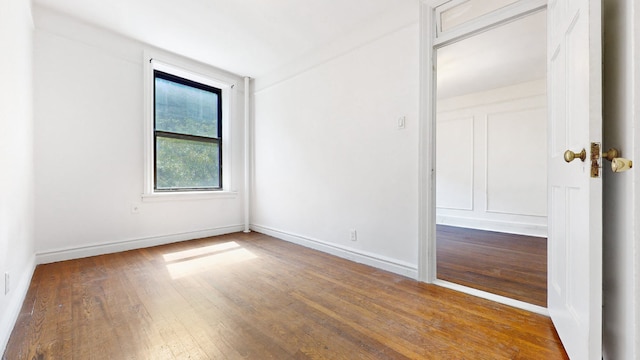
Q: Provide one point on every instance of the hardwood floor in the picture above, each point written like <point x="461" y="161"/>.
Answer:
<point x="251" y="296"/>
<point x="514" y="266"/>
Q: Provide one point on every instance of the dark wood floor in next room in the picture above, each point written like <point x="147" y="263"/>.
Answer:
<point x="510" y="265"/>
<point x="250" y="296"/>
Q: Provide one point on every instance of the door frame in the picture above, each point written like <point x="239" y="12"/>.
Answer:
<point x="427" y="137"/>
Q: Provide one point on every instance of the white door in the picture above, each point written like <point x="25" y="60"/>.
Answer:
<point x="575" y="194"/>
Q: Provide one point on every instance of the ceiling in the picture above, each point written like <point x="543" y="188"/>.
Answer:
<point x="246" y="37"/>
<point x="267" y="38"/>
<point x="506" y="55"/>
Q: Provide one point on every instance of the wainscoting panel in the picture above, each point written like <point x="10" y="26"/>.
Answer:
<point x="517" y="162"/>
<point x="455" y="154"/>
<point x="491" y="160"/>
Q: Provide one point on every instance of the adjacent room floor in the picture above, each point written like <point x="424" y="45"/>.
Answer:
<point x="510" y="265"/>
<point x="252" y="296"/>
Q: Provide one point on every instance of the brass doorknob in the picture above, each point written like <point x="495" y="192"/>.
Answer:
<point x="621" y="164"/>
<point x="611" y="154"/>
<point x="569" y="155"/>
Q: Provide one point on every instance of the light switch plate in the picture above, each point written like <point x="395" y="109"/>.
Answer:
<point x="7" y="284"/>
<point x="402" y="122"/>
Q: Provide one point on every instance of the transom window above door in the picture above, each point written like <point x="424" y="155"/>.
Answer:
<point x="456" y="17"/>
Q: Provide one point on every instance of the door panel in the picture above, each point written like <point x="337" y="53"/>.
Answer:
<point x="575" y="197"/>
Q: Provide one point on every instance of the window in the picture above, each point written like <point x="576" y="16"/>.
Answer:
<point x="189" y="114"/>
<point x="187" y="134"/>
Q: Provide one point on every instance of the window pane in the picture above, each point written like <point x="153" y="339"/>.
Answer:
<point x="186" y="164"/>
<point x="184" y="109"/>
<point x="470" y="10"/>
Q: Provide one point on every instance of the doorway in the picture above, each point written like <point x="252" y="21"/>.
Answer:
<point x="490" y="168"/>
<point x="574" y="67"/>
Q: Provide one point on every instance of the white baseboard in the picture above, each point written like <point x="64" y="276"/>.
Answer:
<point x="519" y="228"/>
<point x="493" y="297"/>
<point x="46" y="257"/>
<point x="359" y="256"/>
<point x="17" y="296"/>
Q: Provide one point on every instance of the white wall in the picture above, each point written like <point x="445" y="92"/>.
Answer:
<point x="491" y="160"/>
<point x="89" y="149"/>
<point x="16" y="159"/>
<point x="329" y="156"/>
<point x="621" y="278"/>
<point x="324" y="163"/>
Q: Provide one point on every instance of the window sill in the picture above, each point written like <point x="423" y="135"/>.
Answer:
<point x="189" y="195"/>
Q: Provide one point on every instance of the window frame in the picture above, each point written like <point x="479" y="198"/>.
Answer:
<point x="199" y="73"/>
<point x="159" y="74"/>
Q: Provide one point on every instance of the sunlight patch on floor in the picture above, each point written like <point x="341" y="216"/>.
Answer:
<point x="192" y="253"/>
<point x="207" y="258"/>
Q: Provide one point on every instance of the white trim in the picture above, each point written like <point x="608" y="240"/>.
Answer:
<point x="499" y="96"/>
<point x="427" y="155"/>
<point x="188" y="195"/>
<point x="634" y="15"/>
<point x="192" y="70"/>
<point x="426" y="146"/>
<point x="505" y="212"/>
<point x="367" y="258"/>
<point x="491" y="20"/>
<point x="18" y="295"/>
<point x="247" y="154"/>
<point x="493" y="297"/>
<point x="512" y="227"/>
<point x="125" y="245"/>
<point x="203" y="76"/>
<point x="439" y="9"/>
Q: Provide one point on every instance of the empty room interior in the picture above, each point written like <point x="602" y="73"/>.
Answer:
<point x="490" y="206"/>
<point x="322" y="179"/>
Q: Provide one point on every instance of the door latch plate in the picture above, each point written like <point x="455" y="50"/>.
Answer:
<point x="596" y="162"/>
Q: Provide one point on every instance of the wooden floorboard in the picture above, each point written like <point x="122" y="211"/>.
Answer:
<point x="510" y="265"/>
<point x="250" y="296"/>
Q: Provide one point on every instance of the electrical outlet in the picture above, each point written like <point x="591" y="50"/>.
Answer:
<point x="7" y="284"/>
<point x="353" y="235"/>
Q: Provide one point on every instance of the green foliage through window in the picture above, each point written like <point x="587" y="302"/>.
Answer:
<point x="187" y="134"/>
<point x="186" y="164"/>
